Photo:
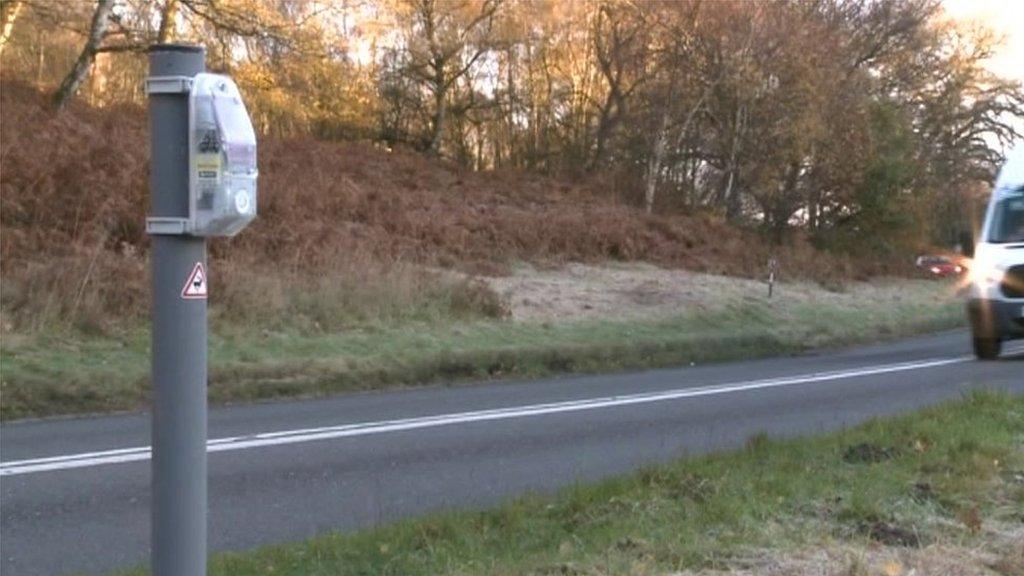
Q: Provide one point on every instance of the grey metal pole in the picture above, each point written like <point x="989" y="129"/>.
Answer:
<point x="179" y="335"/>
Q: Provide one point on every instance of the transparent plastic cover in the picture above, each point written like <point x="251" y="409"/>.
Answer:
<point x="236" y="132"/>
<point x="222" y="157"/>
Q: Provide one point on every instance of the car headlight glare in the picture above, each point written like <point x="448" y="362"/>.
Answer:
<point x="986" y="273"/>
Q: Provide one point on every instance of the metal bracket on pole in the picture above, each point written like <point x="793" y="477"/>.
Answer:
<point x="168" y="84"/>
<point x="166" y="225"/>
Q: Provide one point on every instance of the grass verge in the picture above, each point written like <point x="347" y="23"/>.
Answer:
<point x="936" y="492"/>
<point x="69" y="372"/>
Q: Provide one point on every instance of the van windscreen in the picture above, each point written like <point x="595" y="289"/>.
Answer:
<point x="1008" y="217"/>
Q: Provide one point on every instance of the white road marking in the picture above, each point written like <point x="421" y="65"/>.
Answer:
<point x="90" y="459"/>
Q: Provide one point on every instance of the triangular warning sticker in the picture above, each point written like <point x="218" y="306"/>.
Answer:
<point x="195" y="288"/>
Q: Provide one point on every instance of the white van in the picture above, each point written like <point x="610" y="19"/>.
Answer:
<point x="996" y="302"/>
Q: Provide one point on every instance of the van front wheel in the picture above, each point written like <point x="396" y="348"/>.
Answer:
<point x="987" y="348"/>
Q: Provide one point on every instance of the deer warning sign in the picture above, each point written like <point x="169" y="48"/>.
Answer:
<point x="195" y="287"/>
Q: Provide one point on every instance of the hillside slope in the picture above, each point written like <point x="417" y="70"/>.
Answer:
<point x="73" y="196"/>
<point x="370" y="269"/>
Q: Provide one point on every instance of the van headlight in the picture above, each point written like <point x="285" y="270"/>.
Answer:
<point x="985" y="273"/>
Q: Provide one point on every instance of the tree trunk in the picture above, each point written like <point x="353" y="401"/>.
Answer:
<point x="605" y="125"/>
<point x="783" y="207"/>
<point x="8" y="14"/>
<point x="168" y="19"/>
<point x="731" y="196"/>
<point x="80" y="70"/>
<point x="40" y="64"/>
<point x="732" y="208"/>
<point x="510" y="125"/>
<point x="661" y="142"/>
<point x="479" y="154"/>
<point x="654" y="164"/>
<point x="440" y="114"/>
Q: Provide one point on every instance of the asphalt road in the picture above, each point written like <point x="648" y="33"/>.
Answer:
<point x="74" y="493"/>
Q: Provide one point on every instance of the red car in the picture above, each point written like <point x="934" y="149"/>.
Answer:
<point x="939" y="267"/>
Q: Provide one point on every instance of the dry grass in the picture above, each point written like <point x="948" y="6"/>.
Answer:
<point x="104" y="293"/>
<point x="1000" y="552"/>
<point x="638" y="291"/>
<point x="376" y="327"/>
<point x="346" y="294"/>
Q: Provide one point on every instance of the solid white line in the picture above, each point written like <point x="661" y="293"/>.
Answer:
<point x="89" y="459"/>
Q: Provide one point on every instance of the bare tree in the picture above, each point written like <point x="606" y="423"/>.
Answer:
<point x="97" y="31"/>
<point x="438" y="54"/>
<point x="620" y="44"/>
<point x="9" y="10"/>
<point x="168" y="17"/>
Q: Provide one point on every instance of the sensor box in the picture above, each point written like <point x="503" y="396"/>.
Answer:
<point x="221" y="157"/>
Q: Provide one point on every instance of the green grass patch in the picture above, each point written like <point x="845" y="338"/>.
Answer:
<point x="66" y="372"/>
<point x="929" y="474"/>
